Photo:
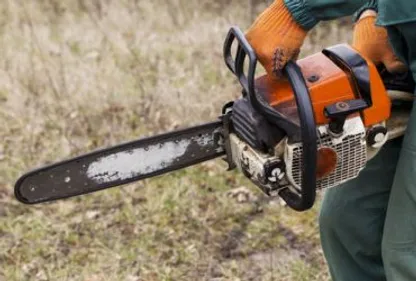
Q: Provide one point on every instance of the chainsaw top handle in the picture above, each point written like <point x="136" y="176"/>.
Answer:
<point x="305" y="111"/>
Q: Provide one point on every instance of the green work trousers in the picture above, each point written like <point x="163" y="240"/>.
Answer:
<point x="368" y="225"/>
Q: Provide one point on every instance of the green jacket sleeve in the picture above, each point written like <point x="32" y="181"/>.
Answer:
<point x="309" y="13"/>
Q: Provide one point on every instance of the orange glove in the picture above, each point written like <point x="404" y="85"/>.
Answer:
<point x="372" y="42"/>
<point x="276" y="38"/>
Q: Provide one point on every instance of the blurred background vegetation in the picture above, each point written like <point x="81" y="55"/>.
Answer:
<point x="76" y="75"/>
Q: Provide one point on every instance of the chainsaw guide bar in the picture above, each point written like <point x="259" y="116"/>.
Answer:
<point x="122" y="164"/>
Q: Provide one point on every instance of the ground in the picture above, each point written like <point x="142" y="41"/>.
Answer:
<point x="77" y="75"/>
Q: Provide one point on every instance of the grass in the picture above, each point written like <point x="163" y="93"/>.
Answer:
<point x="77" y="75"/>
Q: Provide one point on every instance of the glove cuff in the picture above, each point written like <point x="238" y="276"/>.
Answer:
<point x="370" y="5"/>
<point x="301" y="13"/>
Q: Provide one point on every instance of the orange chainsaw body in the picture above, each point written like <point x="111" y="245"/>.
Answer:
<point x="327" y="84"/>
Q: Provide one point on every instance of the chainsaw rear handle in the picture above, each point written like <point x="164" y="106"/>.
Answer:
<point x="306" y="114"/>
<point x="352" y="62"/>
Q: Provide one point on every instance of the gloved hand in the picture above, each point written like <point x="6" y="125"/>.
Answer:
<point x="276" y="38"/>
<point x="372" y="42"/>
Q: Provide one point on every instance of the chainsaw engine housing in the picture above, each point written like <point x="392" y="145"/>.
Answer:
<point x="338" y="79"/>
<point x="352" y="110"/>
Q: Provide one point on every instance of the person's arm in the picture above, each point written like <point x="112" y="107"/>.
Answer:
<point x="308" y="13"/>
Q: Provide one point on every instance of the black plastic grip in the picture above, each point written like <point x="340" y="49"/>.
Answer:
<point x="305" y="111"/>
<point x="237" y="66"/>
<point x="309" y="141"/>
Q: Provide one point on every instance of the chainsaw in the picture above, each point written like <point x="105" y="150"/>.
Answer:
<point x="315" y="128"/>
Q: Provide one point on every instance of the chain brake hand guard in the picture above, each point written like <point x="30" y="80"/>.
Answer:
<point x="306" y="199"/>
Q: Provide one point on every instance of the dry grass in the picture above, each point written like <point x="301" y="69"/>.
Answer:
<point x="77" y="75"/>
